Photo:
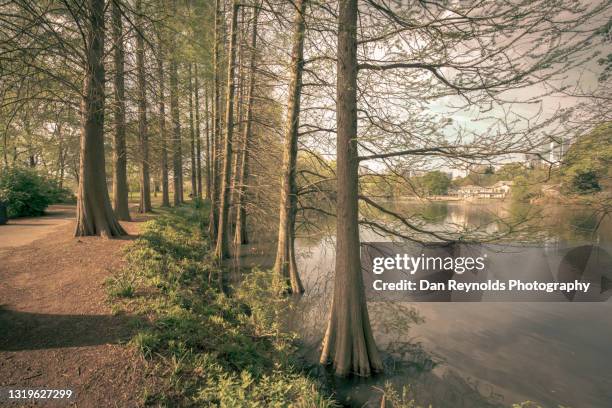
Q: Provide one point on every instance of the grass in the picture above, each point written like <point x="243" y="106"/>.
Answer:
<point x="208" y="348"/>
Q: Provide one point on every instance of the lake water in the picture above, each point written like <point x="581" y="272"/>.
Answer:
<point x="476" y="354"/>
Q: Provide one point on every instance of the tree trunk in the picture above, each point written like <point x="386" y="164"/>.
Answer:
<point x="162" y="126"/>
<point x="177" y="160"/>
<point x="237" y="142"/>
<point x="198" y="133"/>
<point x="240" y="233"/>
<point x="349" y="341"/>
<point x="143" y="137"/>
<point x="61" y="156"/>
<point x="222" y="246"/>
<point x="95" y="215"/>
<point x="207" y="146"/>
<point x="214" y="209"/>
<point x="120" y="185"/>
<point x="192" y="153"/>
<point x="285" y="264"/>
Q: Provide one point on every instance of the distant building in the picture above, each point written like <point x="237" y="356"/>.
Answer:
<point x="416" y="173"/>
<point x="498" y="190"/>
<point x="549" y="155"/>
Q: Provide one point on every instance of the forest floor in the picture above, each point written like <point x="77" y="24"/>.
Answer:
<point x="56" y="326"/>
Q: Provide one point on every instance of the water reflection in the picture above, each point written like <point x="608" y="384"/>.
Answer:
<point x="477" y="355"/>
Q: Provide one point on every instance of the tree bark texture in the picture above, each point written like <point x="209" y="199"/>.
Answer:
<point x="208" y="144"/>
<point x="349" y="342"/>
<point x="162" y="126"/>
<point x="143" y="137"/>
<point x="192" y="153"/>
<point x="120" y="184"/>
<point x="214" y="167"/>
<point x="177" y="161"/>
<point x="95" y="215"/>
<point x="240" y="233"/>
<point x="222" y="244"/>
<point x="285" y="264"/>
<point x="198" y="132"/>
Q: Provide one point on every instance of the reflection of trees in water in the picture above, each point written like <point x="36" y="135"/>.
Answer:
<point x="434" y="212"/>
<point x="577" y="223"/>
<point x="440" y="388"/>
<point x="407" y="363"/>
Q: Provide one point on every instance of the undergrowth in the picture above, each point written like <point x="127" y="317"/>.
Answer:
<point x="210" y="349"/>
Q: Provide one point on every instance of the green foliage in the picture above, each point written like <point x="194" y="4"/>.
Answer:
<point x="521" y="190"/>
<point x="585" y="182"/>
<point x="510" y="171"/>
<point x="120" y="285"/>
<point x="57" y="194"/>
<point x="397" y="400"/>
<point x="531" y="404"/>
<point x="586" y="167"/>
<point x="435" y="183"/>
<point x="24" y="192"/>
<point x="210" y="348"/>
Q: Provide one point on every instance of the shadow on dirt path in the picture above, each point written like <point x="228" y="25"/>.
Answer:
<point x="57" y="329"/>
<point x="33" y="331"/>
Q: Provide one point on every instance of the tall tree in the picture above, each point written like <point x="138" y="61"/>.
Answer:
<point x="348" y="341"/>
<point x="177" y="160"/>
<point x="192" y="141"/>
<point x="95" y="215"/>
<point x="198" y="132"/>
<point x="162" y="123"/>
<point x="214" y="168"/>
<point x="208" y="144"/>
<point x="240" y="232"/>
<point x="143" y="137"/>
<point x="285" y="263"/>
<point x="222" y="245"/>
<point x="120" y="185"/>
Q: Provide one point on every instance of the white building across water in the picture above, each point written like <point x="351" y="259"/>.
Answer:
<point x="498" y="190"/>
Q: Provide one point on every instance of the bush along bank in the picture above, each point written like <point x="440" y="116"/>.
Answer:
<point x="210" y="349"/>
<point x="26" y="193"/>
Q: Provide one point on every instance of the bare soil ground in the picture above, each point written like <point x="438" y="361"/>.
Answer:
<point x="22" y="231"/>
<point x="56" y="327"/>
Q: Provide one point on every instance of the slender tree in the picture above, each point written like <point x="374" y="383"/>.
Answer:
<point x="192" y="141"/>
<point x="95" y="215"/>
<point x="177" y="160"/>
<point x="162" y="123"/>
<point x="240" y="233"/>
<point x="143" y="137"/>
<point x="216" y="121"/>
<point x="208" y="144"/>
<point x="120" y="185"/>
<point x="222" y="245"/>
<point x="198" y="132"/>
<point x="348" y="341"/>
<point x="285" y="263"/>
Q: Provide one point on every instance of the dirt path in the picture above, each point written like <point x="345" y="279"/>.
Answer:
<point x="56" y="329"/>
<point x="22" y="231"/>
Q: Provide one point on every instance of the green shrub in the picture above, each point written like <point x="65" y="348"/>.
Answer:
<point x="24" y="192"/>
<point x="585" y="182"/>
<point x="392" y="397"/>
<point x="57" y="194"/>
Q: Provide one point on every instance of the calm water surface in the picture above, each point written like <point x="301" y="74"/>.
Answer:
<point x="477" y="354"/>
